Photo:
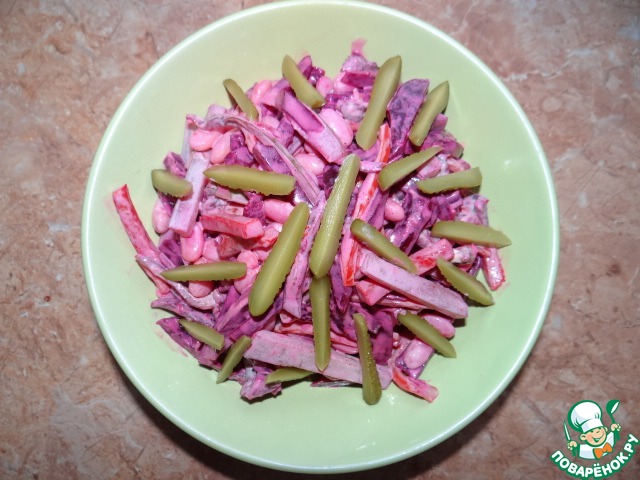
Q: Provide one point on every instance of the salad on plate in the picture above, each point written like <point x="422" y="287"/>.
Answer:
<point x="321" y="227"/>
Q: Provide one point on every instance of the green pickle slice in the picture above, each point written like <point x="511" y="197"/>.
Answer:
<point x="465" y="232"/>
<point x="427" y="333"/>
<point x="463" y="179"/>
<point x="203" y="333"/>
<point x="371" y="387"/>
<point x="464" y="283"/>
<point x="166" y="182"/>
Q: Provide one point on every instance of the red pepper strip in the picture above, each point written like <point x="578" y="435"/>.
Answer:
<point x="137" y="233"/>
<point x="415" y="386"/>
<point x="236" y="225"/>
<point x="350" y="248"/>
<point x="228" y="246"/>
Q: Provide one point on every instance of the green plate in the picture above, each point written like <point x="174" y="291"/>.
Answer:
<point x="321" y="429"/>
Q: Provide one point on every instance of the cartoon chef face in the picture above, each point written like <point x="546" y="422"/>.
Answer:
<point x="595" y="437"/>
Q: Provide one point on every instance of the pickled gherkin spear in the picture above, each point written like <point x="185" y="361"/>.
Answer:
<point x="305" y="92"/>
<point x="396" y="171"/>
<point x="233" y="357"/>
<point x="325" y="245"/>
<point x="206" y="271"/>
<point x="241" y="99"/>
<point x="166" y="182"/>
<point x="427" y="333"/>
<point x="287" y="374"/>
<point x="247" y="178"/>
<point x="464" y="283"/>
<point x="384" y="86"/>
<point x="371" y="388"/>
<point x="276" y="267"/>
<point x="319" y="291"/>
<point x="465" y="232"/>
<point x="203" y="333"/>
<point x="463" y="179"/>
<point x="381" y="245"/>
<point x="435" y="103"/>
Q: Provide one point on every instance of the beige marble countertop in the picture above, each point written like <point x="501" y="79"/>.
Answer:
<point x="67" y="409"/>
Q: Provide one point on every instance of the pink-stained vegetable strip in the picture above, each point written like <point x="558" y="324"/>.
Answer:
<point x="313" y="129"/>
<point x="492" y="267"/>
<point x="236" y="225"/>
<point x="424" y="259"/>
<point x="415" y="386"/>
<point x="427" y="292"/>
<point x="136" y="232"/>
<point x="292" y="351"/>
<point x="349" y="247"/>
<point x="186" y="209"/>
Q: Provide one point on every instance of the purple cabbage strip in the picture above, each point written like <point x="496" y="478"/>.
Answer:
<point x="175" y="164"/>
<point x="239" y="154"/>
<point x="268" y="158"/>
<point x="169" y="244"/>
<point x="312" y="128"/>
<point x="418" y="214"/>
<point x="175" y="304"/>
<point x="357" y="72"/>
<point x="247" y="325"/>
<point x="253" y="380"/>
<point x="310" y="71"/>
<point x="232" y="311"/>
<point x="401" y="112"/>
<point x="255" y="208"/>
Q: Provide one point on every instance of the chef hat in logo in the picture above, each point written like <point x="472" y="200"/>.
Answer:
<point x="585" y="416"/>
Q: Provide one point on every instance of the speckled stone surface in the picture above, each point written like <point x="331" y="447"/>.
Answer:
<point x="67" y="409"/>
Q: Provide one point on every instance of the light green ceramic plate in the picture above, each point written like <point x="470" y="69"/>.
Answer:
<point x="316" y="429"/>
